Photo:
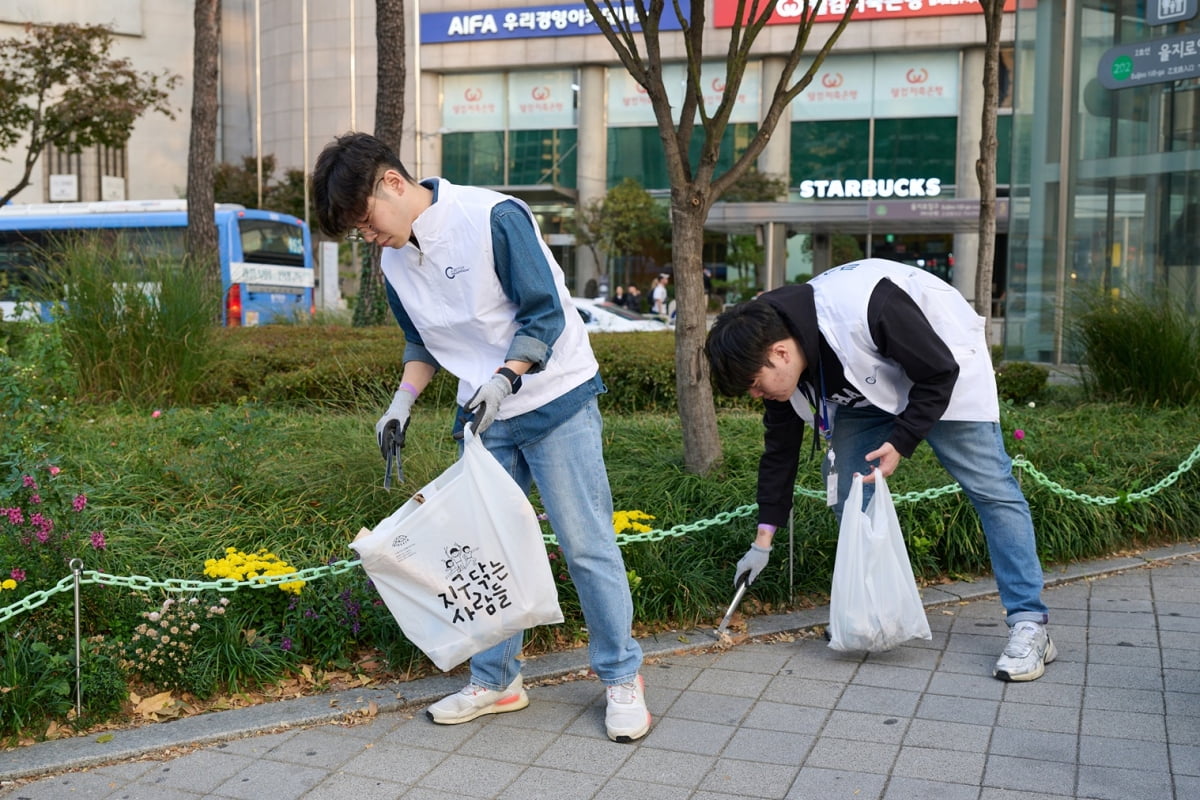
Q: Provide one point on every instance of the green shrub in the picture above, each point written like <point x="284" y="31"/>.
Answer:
<point x="1021" y="381"/>
<point x="1138" y="349"/>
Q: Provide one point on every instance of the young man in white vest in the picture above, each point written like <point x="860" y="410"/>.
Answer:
<point x="477" y="292"/>
<point x="879" y="356"/>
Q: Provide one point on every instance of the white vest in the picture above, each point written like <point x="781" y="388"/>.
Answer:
<point x="842" y="294"/>
<point x="450" y="290"/>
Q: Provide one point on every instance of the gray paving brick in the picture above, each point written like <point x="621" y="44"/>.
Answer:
<point x="1045" y="692"/>
<point x="1125" y="655"/>
<point x="286" y="781"/>
<point x="670" y="675"/>
<point x="394" y="763"/>
<point x="1185" y="759"/>
<point x="624" y="789"/>
<point x="815" y="783"/>
<point x="1123" y="753"/>
<point x="1029" y="775"/>
<point x="1123" y="677"/>
<point x="689" y="736"/>
<point x="980" y="686"/>
<point x="340" y="786"/>
<point x="935" y="764"/>
<point x="866" y="727"/>
<point x="585" y="753"/>
<point x="947" y="735"/>
<point x="894" y="702"/>
<point x="803" y="691"/>
<point x="202" y="771"/>
<point x="470" y="776"/>
<point x="652" y="766"/>
<point x="834" y="753"/>
<point x="902" y="788"/>
<point x="749" y="779"/>
<point x="506" y="742"/>
<point x="1110" y="783"/>
<point x="769" y="747"/>
<point x="1025" y="716"/>
<point x="719" y="708"/>
<point x="1183" y="730"/>
<point x="754" y="658"/>
<point x="1125" y="724"/>
<point x="889" y="676"/>
<point x="1037" y="745"/>
<point x="1113" y="699"/>
<point x="958" y="709"/>
<point x="540" y="783"/>
<point x="731" y="682"/>
<point x="782" y="717"/>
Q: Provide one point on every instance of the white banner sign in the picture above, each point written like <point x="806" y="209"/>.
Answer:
<point x="916" y="85"/>
<point x="473" y="102"/>
<point x="538" y="100"/>
<point x="843" y="88"/>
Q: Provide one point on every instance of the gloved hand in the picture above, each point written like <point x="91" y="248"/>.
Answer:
<point x="392" y="425"/>
<point x="751" y="564"/>
<point x="486" y="402"/>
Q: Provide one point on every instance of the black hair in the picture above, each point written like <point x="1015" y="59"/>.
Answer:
<point x="344" y="179"/>
<point x="738" y="344"/>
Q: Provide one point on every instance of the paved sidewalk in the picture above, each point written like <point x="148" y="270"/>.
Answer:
<point x="1116" y="716"/>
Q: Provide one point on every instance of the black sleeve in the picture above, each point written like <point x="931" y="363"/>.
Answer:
<point x="783" y="433"/>
<point x="903" y="334"/>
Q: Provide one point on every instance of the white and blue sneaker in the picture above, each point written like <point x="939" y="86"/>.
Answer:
<point x="1027" y="653"/>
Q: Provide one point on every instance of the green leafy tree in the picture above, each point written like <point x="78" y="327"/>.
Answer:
<point x="60" y="86"/>
<point x="638" y="40"/>
<point x="239" y="184"/>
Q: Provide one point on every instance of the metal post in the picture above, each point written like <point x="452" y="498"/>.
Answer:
<point x="76" y="567"/>
<point x="792" y="554"/>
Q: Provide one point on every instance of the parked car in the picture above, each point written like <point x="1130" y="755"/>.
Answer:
<point x="601" y="316"/>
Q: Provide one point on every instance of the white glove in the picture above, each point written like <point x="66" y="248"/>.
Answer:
<point x="392" y="425"/>
<point x="486" y="402"/>
<point x="751" y="564"/>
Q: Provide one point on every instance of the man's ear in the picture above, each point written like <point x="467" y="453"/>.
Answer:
<point x="780" y="350"/>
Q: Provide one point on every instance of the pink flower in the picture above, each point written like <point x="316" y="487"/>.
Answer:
<point x="15" y="515"/>
<point x="1018" y="434"/>
<point x="79" y="502"/>
<point x="98" y="542"/>
<point x="54" y="470"/>
<point x="28" y="482"/>
<point x="35" y="499"/>
<point x="155" y="414"/>
<point x="17" y="574"/>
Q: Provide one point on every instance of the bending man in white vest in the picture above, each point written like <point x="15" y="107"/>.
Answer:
<point x="878" y="356"/>
<point x="477" y="292"/>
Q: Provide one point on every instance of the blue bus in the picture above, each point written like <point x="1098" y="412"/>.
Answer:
<point x="266" y="257"/>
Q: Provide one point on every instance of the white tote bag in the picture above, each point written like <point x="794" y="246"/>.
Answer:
<point x="462" y="565"/>
<point x="874" y="604"/>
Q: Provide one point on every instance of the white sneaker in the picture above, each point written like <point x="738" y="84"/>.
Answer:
<point x="1027" y="653"/>
<point x="626" y="717"/>
<point x="474" y="701"/>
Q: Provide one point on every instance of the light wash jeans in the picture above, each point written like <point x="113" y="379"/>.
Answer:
<point x="567" y="464"/>
<point x="973" y="453"/>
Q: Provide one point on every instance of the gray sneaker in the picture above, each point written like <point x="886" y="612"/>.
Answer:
<point x="474" y="701"/>
<point x="1027" y="653"/>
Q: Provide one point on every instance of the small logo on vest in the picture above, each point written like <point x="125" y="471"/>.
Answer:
<point x="451" y="272"/>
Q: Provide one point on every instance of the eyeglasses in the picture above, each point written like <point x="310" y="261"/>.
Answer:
<point x="362" y="229"/>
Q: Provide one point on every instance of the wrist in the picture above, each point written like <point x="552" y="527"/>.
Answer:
<point x="409" y="389"/>
<point x="514" y="378"/>
<point x="765" y="536"/>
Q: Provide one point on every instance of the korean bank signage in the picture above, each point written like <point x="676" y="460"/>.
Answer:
<point x="564" y="19"/>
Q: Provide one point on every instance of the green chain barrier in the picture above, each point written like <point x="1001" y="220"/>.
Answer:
<point x="141" y="583"/>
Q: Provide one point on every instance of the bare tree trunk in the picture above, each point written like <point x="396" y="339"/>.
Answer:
<point x="202" y="145"/>
<point x="390" y="75"/>
<point x="699" y="425"/>
<point x="985" y="167"/>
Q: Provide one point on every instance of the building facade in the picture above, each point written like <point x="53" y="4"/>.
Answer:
<point x="878" y="153"/>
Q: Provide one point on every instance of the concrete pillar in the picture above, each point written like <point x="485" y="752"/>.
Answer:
<point x="970" y="112"/>
<point x="591" y="180"/>
<point x="775" y="160"/>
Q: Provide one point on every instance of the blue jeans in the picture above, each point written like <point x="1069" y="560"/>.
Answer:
<point x="973" y="453"/>
<point x="567" y="464"/>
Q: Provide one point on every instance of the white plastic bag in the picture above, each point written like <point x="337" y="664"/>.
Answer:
<point x="462" y="565"/>
<point x="874" y="604"/>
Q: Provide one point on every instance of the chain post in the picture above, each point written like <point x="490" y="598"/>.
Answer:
<point x="76" y="568"/>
